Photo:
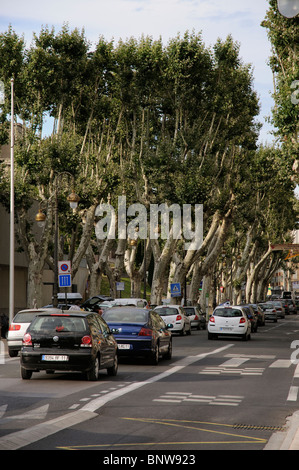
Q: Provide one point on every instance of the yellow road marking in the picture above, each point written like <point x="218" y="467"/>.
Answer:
<point x="185" y="424"/>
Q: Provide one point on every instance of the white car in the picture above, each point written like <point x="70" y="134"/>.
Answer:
<point x="18" y="328"/>
<point x="230" y="321"/>
<point x="176" y="316"/>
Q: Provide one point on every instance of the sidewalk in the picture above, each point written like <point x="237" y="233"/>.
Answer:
<point x="288" y="439"/>
<point x="3" y="350"/>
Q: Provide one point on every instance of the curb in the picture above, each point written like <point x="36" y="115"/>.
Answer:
<point x="288" y="439"/>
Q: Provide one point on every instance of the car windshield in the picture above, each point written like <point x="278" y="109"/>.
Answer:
<point x="125" y="315"/>
<point x="166" y="311"/>
<point x="24" y="317"/>
<point x="58" y="323"/>
<point x="227" y="312"/>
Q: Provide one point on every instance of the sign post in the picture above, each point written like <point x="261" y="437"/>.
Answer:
<point x="175" y="289"/>
<point x="64" y="276"/>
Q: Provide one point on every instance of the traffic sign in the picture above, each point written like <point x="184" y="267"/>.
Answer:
<point x="64" y="267"/>
<point x="64" y="280"/>
<point x="120" y="286"/>
<point x="175" y="289"/>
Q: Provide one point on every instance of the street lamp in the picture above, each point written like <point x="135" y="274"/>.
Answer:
<point x="288" y="8"/>
<point x="73" y="199"/>
<point x="40" y="218"/>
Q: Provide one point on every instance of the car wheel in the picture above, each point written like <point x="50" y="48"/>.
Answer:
<point x="155" y="356"/>
<point x="168" y="355"/>
<point x="113" y="370"/>
<point x="93" y="373"/>
<point x="246" y="336"/>
<point x="26" y="374"/>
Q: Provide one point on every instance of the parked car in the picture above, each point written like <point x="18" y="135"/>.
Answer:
<point x="175" y="315"/>
<point x="291" y="306"/>
<point x="279" y="308"/>
<point x="269" y="310"/>
<point x="285" y="305"/>
<point x="69" y="341"/>
<point x="18" y="328"/>
<point x="250" y="312"/>
<point x="229" y="321"/>
<point x="196" y="317"/>
<point x="260" y="314"/>
<point x="139" y="332"/>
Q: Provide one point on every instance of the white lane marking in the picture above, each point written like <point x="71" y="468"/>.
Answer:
<point x="226" y="400"/>
<point x="293" y="393"/>
<point x="281" y="363"/>
<point x="235" y="361"/>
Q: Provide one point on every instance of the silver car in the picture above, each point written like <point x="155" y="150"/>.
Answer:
<point x="18" y="328"/>
<point x="269" y="311"/>
<point x="196" y="317"/>
<point x="175" y="315"/>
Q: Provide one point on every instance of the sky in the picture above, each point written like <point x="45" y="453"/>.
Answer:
<point x="158" y="18"/>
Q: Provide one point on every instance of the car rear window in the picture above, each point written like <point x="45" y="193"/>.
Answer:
<point x="25" y="317"/>
<point x="58" y="323"/>
<point x="166" y="311"/>
<point x="190" y="311"/>
<point x="227" y="312"/>
<point x="125" y="316"/>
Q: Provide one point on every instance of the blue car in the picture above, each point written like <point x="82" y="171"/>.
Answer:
<point x="139" y="332"/>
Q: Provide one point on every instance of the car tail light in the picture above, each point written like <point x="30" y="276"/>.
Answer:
<point x="145" y="332"/>
<point x="14" y="327"/>
<point x="212" y="319"/>
<point x="27" y="340"/>
<point x="86" y="342"/>
<point x="242" y="320"/>
<point x="179" y="317"/>
<point x="196" y="317"/>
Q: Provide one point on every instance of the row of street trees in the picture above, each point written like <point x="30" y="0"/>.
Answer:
<point x="157" y="123"/>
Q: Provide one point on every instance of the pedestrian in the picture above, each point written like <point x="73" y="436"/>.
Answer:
<point x="3" y="325"/>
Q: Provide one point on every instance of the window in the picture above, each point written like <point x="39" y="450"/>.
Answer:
<point x="227" y="312"/>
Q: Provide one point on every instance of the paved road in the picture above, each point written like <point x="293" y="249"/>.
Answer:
<point x="215" y="395"/>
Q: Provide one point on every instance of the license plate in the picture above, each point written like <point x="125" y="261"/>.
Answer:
<point x="124" y="346"/>
<point x="226" y="328"/>
<point x="52" y="357"/>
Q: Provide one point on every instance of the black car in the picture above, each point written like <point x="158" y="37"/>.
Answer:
<point x="69" y="341"/>
<point x="251" y="315"/>
<point x="139" y="332"/>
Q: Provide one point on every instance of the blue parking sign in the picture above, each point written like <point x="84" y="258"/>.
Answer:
<point x="64" y="280"/>
<point x="175" y="289"/>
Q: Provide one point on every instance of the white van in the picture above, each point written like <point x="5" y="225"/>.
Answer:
<point x="288" y="295"/>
